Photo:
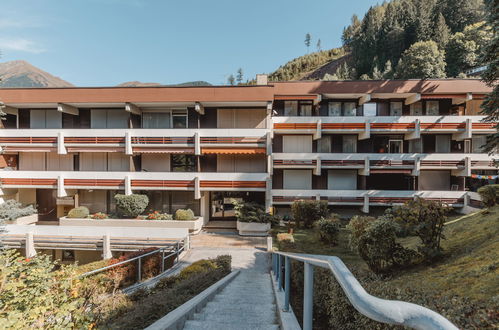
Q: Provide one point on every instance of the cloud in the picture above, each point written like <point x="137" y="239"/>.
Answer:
<point x="20" y="45"/>
<point x="6" y="23"/>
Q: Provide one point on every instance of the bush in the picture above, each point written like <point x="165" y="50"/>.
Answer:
<point x="285" y="242"/>
<point x="357" y="226"/>
<point x="252" y="212"/>
<point x="329" y="229"/>
<point x="159" y="216"/>
<point x="309" y="212"/>
<point x="12" y="209"/>
<point x="424" y="219"/>
<point x="131" y="205"/>
<point x="224" y="262"/>
<point x="78" y="212"/>
<point x="182" y="214"/>
<point x="199" y="266"/>
<point x="489" y="194"/>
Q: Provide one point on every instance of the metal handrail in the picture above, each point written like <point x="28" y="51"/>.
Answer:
<point x="381" y="310"/>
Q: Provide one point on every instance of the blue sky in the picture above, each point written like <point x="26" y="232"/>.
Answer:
<point x="106" y="42"/>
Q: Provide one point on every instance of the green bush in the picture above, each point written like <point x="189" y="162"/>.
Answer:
<point x="182" y="214"/>
<point x="131" y="205"/>
<point x="424" y="219"/>
<point x="357" y="226"/>
<point x="197" y="267"/>
<point x="252" y="212"/>
<point x="309" y="212"/>
<point x="12" y="209"/>
<point x="78" y="212"/>
<point x="224" y="262"/>
<point x="286" y="242"/>
<point x="489" y="194"/>
<point x="328" y="229"/>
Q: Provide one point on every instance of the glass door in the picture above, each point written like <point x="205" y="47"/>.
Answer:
<point x="395" y="146"/>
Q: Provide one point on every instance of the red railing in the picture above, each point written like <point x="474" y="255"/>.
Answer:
<point x="163" y="183"/>
<point x="342" y="162"/>
<point x="94" y="182"/>
<point x="94" y="140"/>
<point x="232" y="140"/>
<point x="295" y="126"/>
<point x="28" y="139"/>
<point x="442" y="163"/>
<point x="162" y="140"/>
<point x="232" y="184"/>
<point x="292" y="162"/>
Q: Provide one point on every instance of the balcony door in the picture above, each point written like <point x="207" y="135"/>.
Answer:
<point x="395" y="146"/>
<point x="46" y="205"/>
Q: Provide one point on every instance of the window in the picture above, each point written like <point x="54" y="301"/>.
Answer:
<point x="416" y="109"/>
<point x="415" y="146"/>
<point x="370" y="109"/>
<point x="297" y="143"/>
<point x="478" y="141"/>
<point x="395" y="146"/>
<point x="432" y="108"/>
<point x="115" y="118"/>
<point x="350" y="143"/>
<point x="350" y="109"/>
<point x="156" y="120"/>
<point x="324" y="144"/>
<point x="291" y="108"/>
<point x="45" y="119"/>
<point x="68" y="255"/>
<point x="297" y="179"/>
<point x="184" y="200"/>
<point x="395" y="108"/>
<point x="442" y="143"/>
<point x="179" y="119"/>
<point x="334" y="109"/>
<point x="184" y="163"/>
<point x="306" y="108"/>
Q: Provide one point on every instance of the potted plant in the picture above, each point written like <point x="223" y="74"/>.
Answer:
<point x="252" y="220"/>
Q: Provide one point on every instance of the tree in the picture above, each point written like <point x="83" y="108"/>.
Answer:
<point x="460" y="13"/>
<point x="308" y="39"/>
<point x="319" y="48"/>
<point x="422" y="60"/>
<point x="490" y="106"/>
<point x="441" y="32"/>
<point x="239" y="76"/>
<point x="377" y="74"/>
<point x="231" y="80"/>
<point x="424" y="19"/>
<point x="388" y="71"/>
<point x="350" y="32"/>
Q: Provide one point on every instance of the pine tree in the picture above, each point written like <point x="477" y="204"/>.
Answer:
<point x="231" y="80"/>
<point x="490" y="106"/>
<point x="239" y="76"/>
<point x="308" y="39"/>
<point x="441" y="32"/>
<point x="388" y="70"/>
<point x="424" y="25"/>
<point x="319" y="45"/>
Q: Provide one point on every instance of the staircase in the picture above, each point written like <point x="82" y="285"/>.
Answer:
<point x="246" y="303"/>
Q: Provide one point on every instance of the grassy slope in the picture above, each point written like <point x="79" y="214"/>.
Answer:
<point x="470" y="267"/>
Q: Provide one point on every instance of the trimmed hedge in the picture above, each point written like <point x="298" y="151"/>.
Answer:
<point x="328" y="229"/>
<point x="131" y="205"/>
<point x="78" y="212"/>
<point x="186" y="215"/>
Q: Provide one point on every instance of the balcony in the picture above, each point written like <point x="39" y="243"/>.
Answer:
<point x="131" y="141"/>
<point x="367" y="163"/>
<point x="129" y="181"/>
<point x="460" y="126"/>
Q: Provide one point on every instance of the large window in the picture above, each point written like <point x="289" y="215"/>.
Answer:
<point x="109" y="118"/>
<point x="395" y="108"/>
<point x="334" y="109"/>
<point x="416" y="109"/>
<point x="156" y="120"/>
<point x="45" y="119"/>
<point x="432" y="108"/>
<point x="478" y="141"/>
<point x="179" y="119"/>
<point x="291" y="108"/>
<point x="324" y="144"/>
<point x="298" y="108"/>
<point x="349" y="143"/>
<point x="350" y="109"/>
<point x="370" y="109"/>
<point x="184" y="163"/>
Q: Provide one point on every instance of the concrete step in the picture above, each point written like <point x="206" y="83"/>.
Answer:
<point x="215" y="307"/>
<point x="210" y="325"/>
<point x="240" y="317"/>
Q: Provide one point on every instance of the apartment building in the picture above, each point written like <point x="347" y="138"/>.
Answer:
<point x="356" y="144"/>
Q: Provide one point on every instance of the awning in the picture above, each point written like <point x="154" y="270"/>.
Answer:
<point x="95" y="149"/>
<point x="28" y="149"/>
<point x="312" y="97"/>
<point x="162" y="150"/>
<point x="390" y="171"/>
<point x="247" y="151"/>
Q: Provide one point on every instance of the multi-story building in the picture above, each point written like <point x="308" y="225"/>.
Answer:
<point x="353" y="143"/>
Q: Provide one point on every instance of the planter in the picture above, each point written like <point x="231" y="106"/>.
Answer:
<point x="253" y="228"/>
<point x="27" y="220"/>
<point x="194" y="226"/>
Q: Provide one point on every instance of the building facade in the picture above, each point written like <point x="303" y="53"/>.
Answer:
<point x="356" y="144"/>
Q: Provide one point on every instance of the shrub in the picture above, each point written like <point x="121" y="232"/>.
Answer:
<point x="224" y="262"/>
<point x="252" y="212"/>
<point x="99" y="216"/>
<point x="489" y="194"/>
<point x="159" y="216"/>
<point x="285" y="242"/>
<point x="182" y="214"/>
<point x="131" y="205"/>
<point x="78" y="212"/>
<point x="199" y="266"/>
<point x="309" y="212"/>
<point x="357" y="226"/>
<point x="12" y="209"/>
<point x="422" y="218"/>
<point x="329" y="229"/>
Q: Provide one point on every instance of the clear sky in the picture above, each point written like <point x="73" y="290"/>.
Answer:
<point x="107" y="42"/>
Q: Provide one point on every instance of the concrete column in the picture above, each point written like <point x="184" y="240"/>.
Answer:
<point x="416" y="134"/>
<point x="366" y="169"/>
<point x="318" y="130"/>
<point x="270" y="164"/>
<point x="268" y="143"/>
<point x="30" y="246"/>
<point x="106" y="247"/>
<point x="128" y="143"/>
<point x="417" y="167"/>
<point x="269" y="243"/>
<point x="467" y="166"/>
<point x="187" y="243"/>
<point x="61" y="191"/>
<point x="318" y="166"/>
<point x="197" y="189"/>
<point x="268" y="194"/>
<point x="61" y="149"/>
<point x="365" y="207"/>
<point x="128" y="185"/>
<point x="197" y="144"/>
<point x="367" y="131"/>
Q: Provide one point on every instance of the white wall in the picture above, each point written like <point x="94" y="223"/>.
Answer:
<point x="156" y="162"/>
<point x="342" y="180"/>
<point x="297" y="143"/>
<point x="297" y="179"/>
<point x="434" y="180"/>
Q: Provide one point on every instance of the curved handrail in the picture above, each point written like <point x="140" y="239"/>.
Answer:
<point x="382" y="310"/>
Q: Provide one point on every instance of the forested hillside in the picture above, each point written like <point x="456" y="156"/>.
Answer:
<point x="401" y="39"/>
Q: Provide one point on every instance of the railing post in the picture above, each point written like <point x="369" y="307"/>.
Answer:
<point x="287" y="282"/>
<point x="278" y="269"/>
<point x="279" y="283"/>
<point x="162" y="260"/>
<point x="139" y="269"/>
<point x="178" y="253"/>
<point x="308" y="296"/>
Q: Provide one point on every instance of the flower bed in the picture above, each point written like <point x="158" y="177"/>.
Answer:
<point x="194" y="226"/>
<point x="26" y="220"/>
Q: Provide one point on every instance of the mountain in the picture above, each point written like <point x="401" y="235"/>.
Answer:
<point x="22" y="74"/>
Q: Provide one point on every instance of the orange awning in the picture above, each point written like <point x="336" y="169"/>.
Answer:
<point x="247" y="151"/>
<point x="28" y="149"/>
<point x="160" y="150"/>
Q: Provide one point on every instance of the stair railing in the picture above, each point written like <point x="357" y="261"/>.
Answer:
<point x="381" y="310"/>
